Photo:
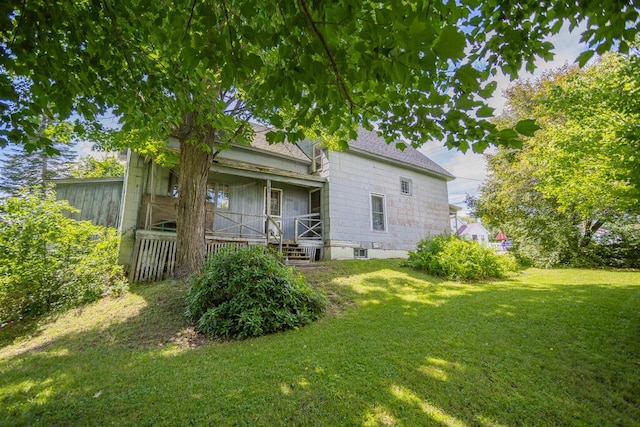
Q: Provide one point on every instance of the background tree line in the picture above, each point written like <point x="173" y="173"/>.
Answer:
<point x="571" y="193"/>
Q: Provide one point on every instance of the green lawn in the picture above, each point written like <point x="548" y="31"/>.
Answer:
<point x="556" y="347"/>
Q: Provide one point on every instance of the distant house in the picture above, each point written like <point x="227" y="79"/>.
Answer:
<point x="371" y="201"/>
<point x="474" y="231"/>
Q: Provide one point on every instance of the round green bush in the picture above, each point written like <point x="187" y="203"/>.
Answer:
<point x="244" y="292"/>
<point x="454" y="258"/>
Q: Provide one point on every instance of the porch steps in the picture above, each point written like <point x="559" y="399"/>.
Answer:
<point x="293" y="253"/>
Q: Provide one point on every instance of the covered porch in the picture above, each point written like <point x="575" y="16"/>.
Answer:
<point x="244" y="206"/>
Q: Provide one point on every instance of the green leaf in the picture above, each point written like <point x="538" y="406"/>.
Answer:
<point x="527" y="127"/>
<point x="450" y="44"/>
<point x="485" y="111"/>
<point x="584" y="57"/>
<point x="275" y="137"/>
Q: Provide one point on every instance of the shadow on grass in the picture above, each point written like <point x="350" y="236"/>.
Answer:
<point x="406" y="350"/>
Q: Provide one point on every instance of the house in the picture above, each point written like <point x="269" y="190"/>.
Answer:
<point x="370" y="201"/>
<point x="474" y="231"/>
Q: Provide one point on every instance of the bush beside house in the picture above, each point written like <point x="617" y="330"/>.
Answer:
<point x="453" y="258"/>
<point x="49" y="262"/>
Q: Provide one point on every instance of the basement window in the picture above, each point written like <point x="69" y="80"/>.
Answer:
<point x="360" y="253"/>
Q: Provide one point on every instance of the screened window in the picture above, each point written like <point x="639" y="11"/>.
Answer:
<point x="378" y="220"/>
<point x="218" y="194"/>
<point x="405" y="187"/>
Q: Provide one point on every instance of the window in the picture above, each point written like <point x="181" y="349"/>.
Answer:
<point x="218" y="194"/>
<point x="317" y="158"/>
<point x="405" y="187"/>
<point x="360" y="253"/>
<point x="378" y="220"/>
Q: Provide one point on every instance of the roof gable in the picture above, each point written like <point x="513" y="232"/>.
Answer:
<point x="370" y="142"/>
<point x="473" y="228"/>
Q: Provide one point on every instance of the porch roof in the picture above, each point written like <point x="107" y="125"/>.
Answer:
<point x="234" y="167"/>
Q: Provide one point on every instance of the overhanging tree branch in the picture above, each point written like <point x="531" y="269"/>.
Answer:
<point x="334" y="65"/>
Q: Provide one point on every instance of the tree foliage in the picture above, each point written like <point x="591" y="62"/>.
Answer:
<point x="49" y="262"/>
<point x="579" y="171"/>
<point x="90" y="167"/>
<point x="199" y="70"/>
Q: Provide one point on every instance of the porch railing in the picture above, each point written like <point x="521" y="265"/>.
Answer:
<point x="308" y="227"/>
<point x="242" y="225"/>
<point x="155" y="253"/>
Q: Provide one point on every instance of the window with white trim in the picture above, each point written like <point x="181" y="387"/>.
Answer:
<point x="406" y="187"/>
<point x="317" y="158"/>
<point x="360" y="253"/>
<point x="378" y="217"/>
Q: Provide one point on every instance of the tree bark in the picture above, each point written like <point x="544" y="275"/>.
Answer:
<point x="195" y="163"/>
<point x="590" y="228"/>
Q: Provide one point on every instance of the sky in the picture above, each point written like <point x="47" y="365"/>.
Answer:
<point x="470" y="168"/>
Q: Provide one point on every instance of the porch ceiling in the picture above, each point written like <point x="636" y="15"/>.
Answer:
<point x="249" y="170"/>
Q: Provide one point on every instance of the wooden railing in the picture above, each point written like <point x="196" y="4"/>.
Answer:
<point x="155" y="253"/>
<point x="308" y="227"/>
<point x="237" y="224"/>
<point x="242" y="226"/>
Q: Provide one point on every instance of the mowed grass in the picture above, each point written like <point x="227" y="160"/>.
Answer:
<point x="396" y="347"/>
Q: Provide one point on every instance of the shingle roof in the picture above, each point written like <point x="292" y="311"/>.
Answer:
<point x="370" y="142"/>
<point x="283" y="148"/>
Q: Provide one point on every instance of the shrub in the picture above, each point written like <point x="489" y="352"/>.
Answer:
<point x="49" y="262"/>
<point x="248" y="292"/>
<point x="454" y="258"/>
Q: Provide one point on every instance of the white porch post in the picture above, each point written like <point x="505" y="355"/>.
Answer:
<point x="267" y="197"/>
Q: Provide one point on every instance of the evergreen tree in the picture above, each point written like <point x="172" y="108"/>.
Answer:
<point x="23" y="169"/>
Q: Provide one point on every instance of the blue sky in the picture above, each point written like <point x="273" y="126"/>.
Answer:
<point x="470" y="168"/>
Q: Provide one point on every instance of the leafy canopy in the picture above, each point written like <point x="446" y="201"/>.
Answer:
<point x="90" y="167"/>
<point x="579" y="171"/>
<point x="415" y="69"/>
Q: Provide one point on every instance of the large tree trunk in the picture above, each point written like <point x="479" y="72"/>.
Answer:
<point x="192" y="190"/>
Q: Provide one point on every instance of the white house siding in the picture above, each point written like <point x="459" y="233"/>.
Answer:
<point x="352" y="179"/>
<point x="134" y="186"/>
